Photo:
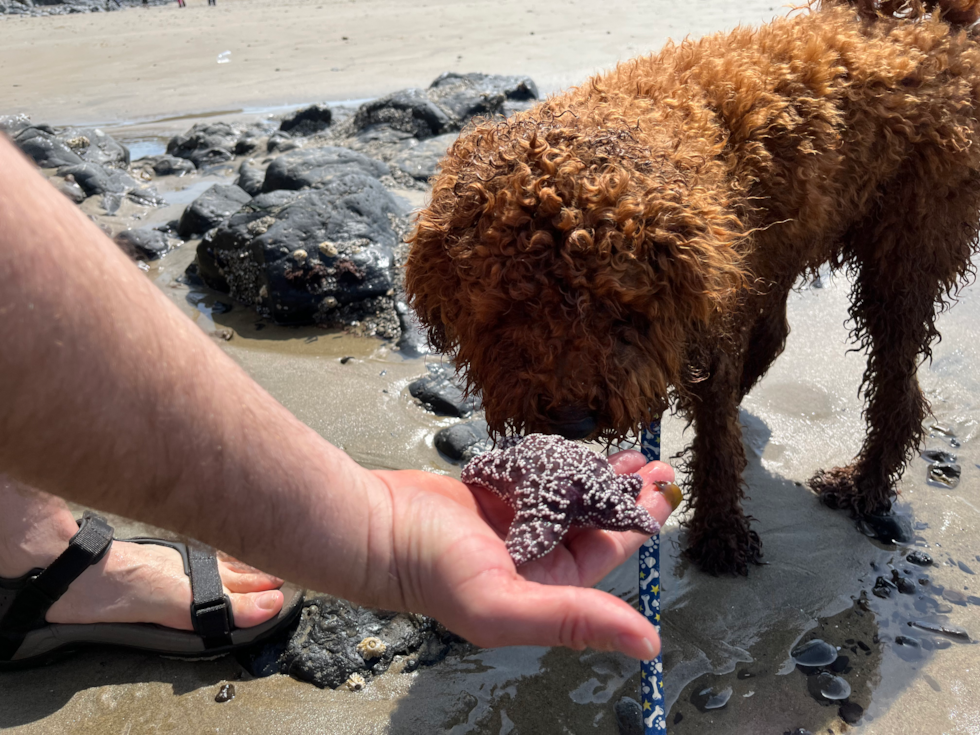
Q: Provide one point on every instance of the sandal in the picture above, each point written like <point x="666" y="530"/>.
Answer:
<point x="25" y="637"/>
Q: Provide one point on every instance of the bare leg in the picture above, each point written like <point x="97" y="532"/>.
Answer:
<point x="133" y="584"/>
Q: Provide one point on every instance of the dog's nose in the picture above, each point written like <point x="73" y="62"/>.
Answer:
<point x="571" y="422"/>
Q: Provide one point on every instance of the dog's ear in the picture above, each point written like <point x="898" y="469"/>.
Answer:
<point x="691" y="261"/>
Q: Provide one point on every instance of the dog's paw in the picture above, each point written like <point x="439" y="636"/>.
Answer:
<point x="727" y="551"/>
<point x="842" y="488"/>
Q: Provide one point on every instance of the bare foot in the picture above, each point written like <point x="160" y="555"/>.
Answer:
<point x="133" y="583"/>
<point x="143" y="583"/>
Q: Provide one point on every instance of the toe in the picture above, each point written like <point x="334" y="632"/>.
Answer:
<point x="237" y="576"/>
<point x="256" y="607"/>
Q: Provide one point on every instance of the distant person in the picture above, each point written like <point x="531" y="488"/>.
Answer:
<point x="213" y="2"/>
<point x="180" y="4"/>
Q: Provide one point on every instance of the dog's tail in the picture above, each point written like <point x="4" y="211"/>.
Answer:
<point x="955" y="12"/>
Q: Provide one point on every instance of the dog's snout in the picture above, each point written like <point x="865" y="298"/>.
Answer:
<point x="572" y="422"/>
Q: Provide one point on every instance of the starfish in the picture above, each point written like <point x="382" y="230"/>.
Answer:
<point x="554" y="484"/>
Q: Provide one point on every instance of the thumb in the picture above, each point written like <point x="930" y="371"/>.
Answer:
<point x="504" y="610"/>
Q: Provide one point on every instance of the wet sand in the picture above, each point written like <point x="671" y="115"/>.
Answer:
<point x="805" y="415"/>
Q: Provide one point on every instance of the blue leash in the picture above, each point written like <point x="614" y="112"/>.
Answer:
<point x="651" y="672"/>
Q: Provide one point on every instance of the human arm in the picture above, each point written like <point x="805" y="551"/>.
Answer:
<point x="113" y="399"/>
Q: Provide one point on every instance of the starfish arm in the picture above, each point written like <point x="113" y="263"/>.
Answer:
<point x="530" y="537"/>
<point x="629" y="485"/>
<point x="625" y="517"/>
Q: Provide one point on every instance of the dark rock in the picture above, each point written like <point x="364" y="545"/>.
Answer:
<point x="308" y="121"/>
<point x="250" y="177"/>
<point x="408" y="110"/>
<point x="146" y="243"/>
<point x="13" y="124"/>
<point x="629" y="717"/>
<point x="919" y="557"/>
<point x="94" y="146"/>
<point x="206" y="143"/>
<point x="889" y="528"/>
<point x="413" y="341"/>
<point x="905" y="585"/>
<point x="70" y="188"/>
<point x="225" y="694"/>
<point x="210" y="209"/>
<point x="280" y="143"/>
<point x="420" y="160"/>
<point x="883" y="588"/>
<point x="111" y="184"/>
<point x="324" y="648"/>
<point x="953" y="631"/>
<point x="850" y="712"/>
<point x="465" y="96"/>
<point x="945" y="474"/>
<point x="463" y="442"/>
<point x="441" y="392"/>
<point x="45" y="149"/>
<point x="323" y="256"/>
<point x="94" y="179"/>
<point x="511" y="87"/>
<point x="245" y="145"/>
<point x="318" y="167"/>
<point x="935" y="456"/>
<point x="167" y="165"/>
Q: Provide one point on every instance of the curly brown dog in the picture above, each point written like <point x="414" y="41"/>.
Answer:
<point x="631" y="243"/>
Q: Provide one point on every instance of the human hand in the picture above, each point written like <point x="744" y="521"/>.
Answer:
<point x="449" y="559"/>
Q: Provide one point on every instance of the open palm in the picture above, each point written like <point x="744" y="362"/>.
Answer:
<point x="451" y="563"/>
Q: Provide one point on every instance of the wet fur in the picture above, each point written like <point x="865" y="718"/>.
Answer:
<point x="632" y="242"/>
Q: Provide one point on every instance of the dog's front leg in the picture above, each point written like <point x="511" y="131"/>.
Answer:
<point x="720" y="539"/>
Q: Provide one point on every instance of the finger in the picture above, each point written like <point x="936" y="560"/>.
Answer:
<point x="510" y="611"/>
<point x="596" y="553"/>
<point x="627" y="461"/>
<point x="656" y="471"/>
<point x="660" y="500"/>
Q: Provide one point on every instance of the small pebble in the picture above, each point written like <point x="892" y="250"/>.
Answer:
<point x="833" y="687"/>
<point x="225" y="694"/>
<point x="850" y="712"/>
<point x="814" y="653"/>
<point x="945" y="475"/>
<point x="719" y="700"/>
<point x="953" y="631"/>
<point x="629" y="716"/>
<point x="920" y="558"/>
<point x="883" y="588"/>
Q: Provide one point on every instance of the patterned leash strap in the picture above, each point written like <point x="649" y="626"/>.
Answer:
<point x="651" y="672"/>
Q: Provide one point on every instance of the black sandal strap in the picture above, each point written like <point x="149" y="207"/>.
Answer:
<point x="211" y="613"/>
<point x="41" y="591"/>
<point x="211" y="608"/>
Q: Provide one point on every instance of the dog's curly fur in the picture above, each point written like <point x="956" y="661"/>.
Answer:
<point x="632" y="242"/>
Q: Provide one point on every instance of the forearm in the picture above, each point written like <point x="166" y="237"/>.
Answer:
<point x="114" y="399"/>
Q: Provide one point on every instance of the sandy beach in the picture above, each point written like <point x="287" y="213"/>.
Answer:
<point x="147" y="74"/>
